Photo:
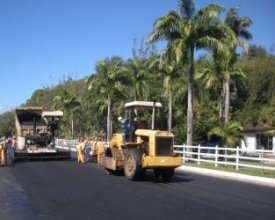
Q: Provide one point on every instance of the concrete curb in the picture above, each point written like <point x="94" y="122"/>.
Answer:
<point x="231" y="175"/>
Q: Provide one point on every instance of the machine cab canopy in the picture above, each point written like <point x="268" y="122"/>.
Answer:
<point x="134" y="106"/>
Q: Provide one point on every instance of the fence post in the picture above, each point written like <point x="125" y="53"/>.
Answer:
<point x="216" y="156"/>
<point x="199" y="154"/>
<point x="184" y="152"/>
<point x="262" y="161"/>
<point x="237" y="158"/>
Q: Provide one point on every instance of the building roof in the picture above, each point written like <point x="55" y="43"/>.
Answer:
<point x="259" y="127"/>
<point x="143" y="104"/>
<point x="52" y="113"/>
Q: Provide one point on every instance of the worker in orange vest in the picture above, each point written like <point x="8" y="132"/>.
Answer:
<point x="4" y="151"/>
<point x="100" y="152"/>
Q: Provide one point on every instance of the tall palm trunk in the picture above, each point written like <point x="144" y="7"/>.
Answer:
<point x="227" y="102"/>
<point x="190" y="123"/>
<point x="72" y="127"/>
<point x="221" y="102"/>
<point x="221" y="106"/>
<point x="170" y="110"/>
<point x="108" y="119"/>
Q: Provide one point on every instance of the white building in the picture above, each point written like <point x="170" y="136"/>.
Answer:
<point x="258" y="137"/>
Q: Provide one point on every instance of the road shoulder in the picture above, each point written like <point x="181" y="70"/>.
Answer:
<point x="230" y="175"/>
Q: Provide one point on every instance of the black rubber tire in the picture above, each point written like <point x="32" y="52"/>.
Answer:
<point x="158" y="174"/>
<point x="168" y="174"/>
<point x="108" y="153"/>
<point x="109" y="171"/>
<point x="132" y="165"/>
<point x="163" y="175"/>
<point x="93" y="159"/>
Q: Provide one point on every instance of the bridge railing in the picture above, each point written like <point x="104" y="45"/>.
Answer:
<point x="71" y="144"/>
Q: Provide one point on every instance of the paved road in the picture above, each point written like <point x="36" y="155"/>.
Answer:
<point x="68" y="190"/>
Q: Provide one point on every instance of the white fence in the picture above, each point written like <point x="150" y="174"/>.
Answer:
<point x="66" y="144"/>
<point x="214" y="155"/>
<point x="71" y="144"/>
<point x="228" y="156"/>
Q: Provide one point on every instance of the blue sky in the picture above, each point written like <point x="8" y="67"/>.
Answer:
<point x="42" y="42"/>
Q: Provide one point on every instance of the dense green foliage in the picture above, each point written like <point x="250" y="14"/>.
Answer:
<point x="92" y="105"/>
<point x="252" y="100"/>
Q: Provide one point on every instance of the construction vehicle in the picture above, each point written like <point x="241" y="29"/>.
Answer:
<point x="36" y="130"/>
<point x="145" y="148"/>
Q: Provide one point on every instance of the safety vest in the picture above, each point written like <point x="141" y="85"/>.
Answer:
<point x="3" y="145"/>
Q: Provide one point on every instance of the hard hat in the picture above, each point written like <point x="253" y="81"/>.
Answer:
<point x="119" y="118"/>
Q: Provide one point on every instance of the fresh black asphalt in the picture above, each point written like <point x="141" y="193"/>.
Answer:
<point x="68" y="190"/>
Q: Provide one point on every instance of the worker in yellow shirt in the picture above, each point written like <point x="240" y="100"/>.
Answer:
<point x="100" y="152"/>
<point x="80" y="150"/>
<point x="97" y="151"/>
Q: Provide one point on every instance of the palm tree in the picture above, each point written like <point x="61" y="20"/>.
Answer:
<point x="69" y="103"/>
<point x="230" y="134"/>
<point x="239" y="26"/>
<point x="138" y="72"/>
<point x="109" y="81"/>
<point x="170" y="74"/>
<point x="186" y="31"/>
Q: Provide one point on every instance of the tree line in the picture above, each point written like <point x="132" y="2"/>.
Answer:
<point x="215" y="94"/>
